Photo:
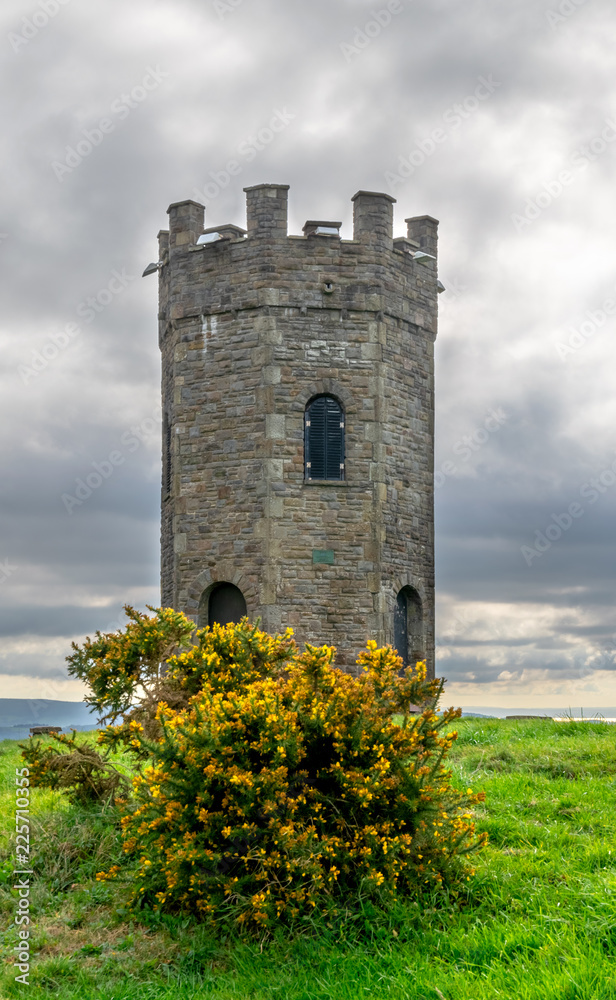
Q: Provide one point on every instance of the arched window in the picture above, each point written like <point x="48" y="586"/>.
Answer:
<point x="324" y="439"/>
<point x="223" y="604"/>
<point x="408" y="627"/>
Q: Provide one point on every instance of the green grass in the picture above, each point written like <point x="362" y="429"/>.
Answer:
<point x="537" y="921"/>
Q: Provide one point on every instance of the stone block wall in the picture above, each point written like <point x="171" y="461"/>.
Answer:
<point x="251" y="328"/>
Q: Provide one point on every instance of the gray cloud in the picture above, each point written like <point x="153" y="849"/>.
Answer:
<point x="55" y="621"/>
<point x="353" y="120"/>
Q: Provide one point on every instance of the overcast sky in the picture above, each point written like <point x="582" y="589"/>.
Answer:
<point x="496" y="117"/>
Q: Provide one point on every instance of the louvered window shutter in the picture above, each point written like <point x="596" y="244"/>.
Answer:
<point x="324" y="439"/>
<point x="167" y="478"/>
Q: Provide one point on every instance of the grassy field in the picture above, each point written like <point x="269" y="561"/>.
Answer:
<point x="537" y="921"/>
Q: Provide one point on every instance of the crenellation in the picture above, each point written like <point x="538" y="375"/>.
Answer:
<point x="186" y="219"/>
<point x="423" y="230"/>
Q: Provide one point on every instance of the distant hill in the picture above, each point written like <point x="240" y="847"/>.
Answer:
<point x="487" y="711"/>
<point x="17" y="715"/>
<point x="43" y="712"/>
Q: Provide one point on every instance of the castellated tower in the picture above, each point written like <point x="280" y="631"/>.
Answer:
<point x="298" y="410"/>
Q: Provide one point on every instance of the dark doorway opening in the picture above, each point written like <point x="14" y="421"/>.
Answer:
<point x="401" y="628"/>
<point x="408" y="627"/>
<point x="226" y="604"/>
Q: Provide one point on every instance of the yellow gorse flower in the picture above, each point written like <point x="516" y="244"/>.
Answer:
<point x="284" y="784"/>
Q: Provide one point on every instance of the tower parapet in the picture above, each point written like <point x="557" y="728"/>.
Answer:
<point x="298" y="423"/>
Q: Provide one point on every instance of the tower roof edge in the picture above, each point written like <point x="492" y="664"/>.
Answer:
<point x="255" y="187"/>
<point x="374" y="194"/>
<point x="187" y="201"/>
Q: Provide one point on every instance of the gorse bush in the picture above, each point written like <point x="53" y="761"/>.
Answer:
<point x="287" y="785"/>
<point x="75" y="767"/>
<point x="268" y="782"/>
<point x="125" y="670"/>
<point x="229" y="658"/>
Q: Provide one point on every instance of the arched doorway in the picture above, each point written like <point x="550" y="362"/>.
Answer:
<point x="408" y="626"/>
<point x="222" y="604"/>
<point x="401" y="633"/>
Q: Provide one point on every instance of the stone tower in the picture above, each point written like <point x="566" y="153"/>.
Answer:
<point x="298" y="406"/>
